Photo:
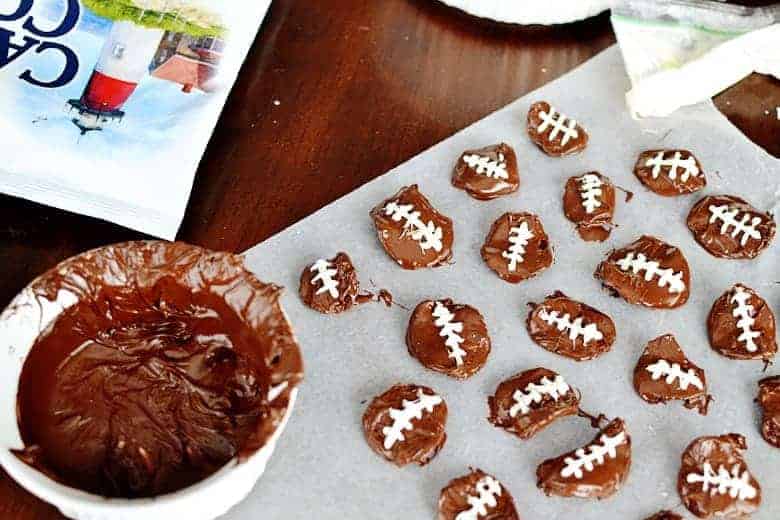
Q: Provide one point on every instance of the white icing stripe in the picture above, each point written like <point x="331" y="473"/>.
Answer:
<point x="518" y="239"/>
<point x="735" y="484"/>
<point x="325" y="273"/>
<point x="638" y="262"/>
<point x="450" y="330"/>
<point x="558" y="125"/>
<point x="428" y="235"/>
<point x="673" y="371"/>
<point x="743" y="311"/>
<point x="402" y="418"/>
<point x="589" y="332"/>
<point x="590" y="192"/>
<point x="688" y="166"/>
<point x="591" y="456"/>
<point x="535" y="392"/>
<point x="488" y="491"/>
<point x="485" y="166"/>
<point x="728" y="219"/>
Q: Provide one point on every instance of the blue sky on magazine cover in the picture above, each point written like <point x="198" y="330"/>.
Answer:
<point x="155" y="134"/>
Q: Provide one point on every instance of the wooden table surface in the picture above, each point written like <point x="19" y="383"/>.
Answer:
<point x="332" y="95"/>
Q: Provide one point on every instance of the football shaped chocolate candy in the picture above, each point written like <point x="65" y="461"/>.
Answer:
<point x="589" y="202"/>
<point x="597" y="470"/>
<point x="670" y="172"/>
<point x="647" y="272"/>
<point x="406" y="424"/>
<point x="714" y="481"/>
<point x="517" y="247"/>
<point x="741" y="325"/>
<point x="331" y="286"/>
<point x="448" y="337"/>
<point x="570" y="328"/>
<point x="664" y="373"/>
<point x="531" y="400"/>
<point x="412" y="232"/>
<point x="476" y="496"/>
<point x="487" y="173"/>
<point x="769" y="401"/>
<point x="728" y="227"/>
<point x="665" y="515"/>
<point x="555" y="133"/>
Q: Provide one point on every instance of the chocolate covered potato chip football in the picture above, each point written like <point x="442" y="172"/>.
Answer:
<point x="411" y="231"/>
<point x="589" y="202"/>
<point x="742" y="326"/>
<point x="647" y="272"/>
<point x="597" y="470"/>
<point x="476" y="496"/>
<point x="570" y="328"/>
<point x="769" y="401"/>
<point x="670" y="172"/>
<point x="555" y="133"/>
<point x="406" y="424"/>
<point x="487" y="173"/>
<point x="665" y="515"/>
<point x="530" y="401"/>
<point x="517" y="247"/>
<point x="728" y="227"/>
<point x="664" y="373"/>
<point x="448" y="337"/>
<point x="714" y="480"/>
<point x="331" y="286"/>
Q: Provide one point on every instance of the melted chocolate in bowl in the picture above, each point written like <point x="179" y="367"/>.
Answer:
<point x="173" y="361"/>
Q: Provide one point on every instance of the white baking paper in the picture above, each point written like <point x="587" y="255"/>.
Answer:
<point x="323" y="467"/>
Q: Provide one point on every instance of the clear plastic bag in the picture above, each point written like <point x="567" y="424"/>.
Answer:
<point x="681" y="52"/>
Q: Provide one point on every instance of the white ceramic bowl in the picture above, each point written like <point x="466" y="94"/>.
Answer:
<point x="20" y="325"/>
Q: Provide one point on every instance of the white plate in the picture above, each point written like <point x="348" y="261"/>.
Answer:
<point x="532" y="12"/>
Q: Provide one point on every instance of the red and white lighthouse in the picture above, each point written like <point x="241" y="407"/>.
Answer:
<point x="123" y="63"/>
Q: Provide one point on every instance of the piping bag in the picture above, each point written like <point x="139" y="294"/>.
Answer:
<point x="681" y="52"/>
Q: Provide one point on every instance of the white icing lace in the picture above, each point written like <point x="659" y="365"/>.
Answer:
<point x="428" y="235"/>
<point x="535" y="392"/>
<point x="688" y="166"/>
<point x="735" y="484"/>
<point x="325" y="273"/>
<point x="486" y="166"/>
<point x="559" y="125"/>
<point x="450" y="330"/>
<point x="489" y="489"/>
<point x="673" y="371"/>
<point x="743" y="311"/>
<point x="638" y="262"/>
<point x="591" y="456"/>
<point x="518" y="239"/>
<point x="728" y="219"/>
<point x="402" y="419"/>
<point x="590" y="192"/>
<point x="589" y="332"/>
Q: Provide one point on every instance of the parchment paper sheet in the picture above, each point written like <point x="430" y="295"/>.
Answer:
<point x="324" y="469"/>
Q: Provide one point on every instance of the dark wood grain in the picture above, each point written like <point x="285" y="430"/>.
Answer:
<point x="362" y="86"/>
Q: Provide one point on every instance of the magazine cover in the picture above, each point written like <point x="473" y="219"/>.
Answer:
<point x="106" y="106"/>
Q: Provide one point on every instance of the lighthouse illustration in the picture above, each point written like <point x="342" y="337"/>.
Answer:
<point x="123" y="62"/>
<point x="178" y="41"/>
